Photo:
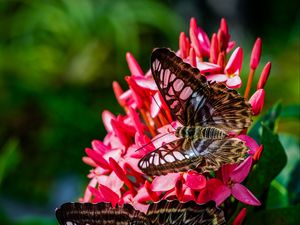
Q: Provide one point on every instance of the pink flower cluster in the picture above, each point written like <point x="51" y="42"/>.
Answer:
<point x="115" y="176"/>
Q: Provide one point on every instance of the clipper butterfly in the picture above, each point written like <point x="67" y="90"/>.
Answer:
<point x="207" y="111"/>
<point x="162" y="213"/>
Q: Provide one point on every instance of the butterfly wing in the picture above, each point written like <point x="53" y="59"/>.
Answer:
<point x="99" y="214"/>
<point x="203" y="155"/>
<point x="189" y="213"/>
<point x="192" y="100"/>
<point x="172" y="157"/>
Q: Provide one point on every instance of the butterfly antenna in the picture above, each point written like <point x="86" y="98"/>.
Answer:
<point x="164" y="113"/>
<point x="143" y="146"/>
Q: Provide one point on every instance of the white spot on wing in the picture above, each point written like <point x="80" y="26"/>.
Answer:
<point x="186" y="93"/>
<point x="178" y="155"/>
<point x="178" y="84"/>
<point x="169" y="158"/>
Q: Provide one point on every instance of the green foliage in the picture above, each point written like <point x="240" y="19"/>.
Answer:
<point x="57" y="62"/>
<point x="284" y="216"/>
<point x="9" y="158"/>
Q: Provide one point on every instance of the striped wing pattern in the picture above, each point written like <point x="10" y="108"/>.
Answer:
<point x="203" y="155"/>
<point x="190" y="213"/>
<point x="164" y="212"/>
<point x="99" y="214"/>
<point x="192" y="100"/>
<point x="195" y="102"/>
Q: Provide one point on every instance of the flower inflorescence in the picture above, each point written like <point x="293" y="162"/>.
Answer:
<point x="147" y="124"/>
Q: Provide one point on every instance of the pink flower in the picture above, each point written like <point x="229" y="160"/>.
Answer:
<point x="232" y="71"/>
<point x="232" y="176"/>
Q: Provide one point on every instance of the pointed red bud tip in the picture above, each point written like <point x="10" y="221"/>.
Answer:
<point x="258" y="153"/>
<point x="184" y="45"/>
<point x="192" y="57"/>
<point x="193" y="23"/>
<point x="257" y="101"/>
<point x="134" y="67"/>
<point x="240" y="217"/>
<point x="234" y="63"/>
<point x="214" y="49"/>
<point x="118" y="92"/>
<point x="224" y="26"/>
<point x="264" y="76"/>
<point x="256" y="53"/>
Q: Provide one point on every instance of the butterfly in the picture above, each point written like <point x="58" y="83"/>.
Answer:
<point x="164" y="212"/>
<point x="207" y="112"/>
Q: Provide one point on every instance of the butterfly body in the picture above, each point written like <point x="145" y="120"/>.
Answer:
<point x="207" y="112"/>
<point x="198" y="132"/>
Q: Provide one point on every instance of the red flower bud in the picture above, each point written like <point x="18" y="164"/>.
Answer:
<point x="221" y="59"/>
<point x="193" y="57"/>
<point x="264" y="76"/>
<point x="257" y="101"/>
<point x="214" y="49"/>
<point x="184" y="45"/>
<point x="224" y="26"/>
<point x="118" y="92"/>
<point x="256" y="53"/>
<point x="258" y="153"/>
<point x="240" y="217"/>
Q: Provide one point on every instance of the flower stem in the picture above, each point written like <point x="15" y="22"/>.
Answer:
<point x="249" y="83"/>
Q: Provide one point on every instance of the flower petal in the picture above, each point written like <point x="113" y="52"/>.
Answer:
<point x="194" y="180"/>
<point x="206" y="67"/>
<point x="239" y="174"/>
<point x="234" y="82"/>
<point x="165" y="182"/>
<point x="155" y="105"/>
<point x="242" y="194"/>
<point x="97" y="158"/>
<point x="217" y="77"/>
<point x="257" y="101"/>
<point x="146" y="82"/>
<point x="221" y="194"/>
<point x="234" y="63"/>
<point x="107" y="116"/>
<point x="134" y="67"/>
<point x="249" y="142"/>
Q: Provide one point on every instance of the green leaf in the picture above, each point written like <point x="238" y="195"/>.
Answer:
<point x="282" y="216"/>
<point x="291" y="111"/>
<point x="277" y="196"/>
<point x="269" y="119"/>
<point x="270" y="164"/>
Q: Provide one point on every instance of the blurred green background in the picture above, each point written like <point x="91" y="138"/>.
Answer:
<point x="58" y="60"/>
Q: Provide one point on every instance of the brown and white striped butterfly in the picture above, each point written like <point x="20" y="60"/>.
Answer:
<point x="208" y="112"/>
<point x="164" y="212"/>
